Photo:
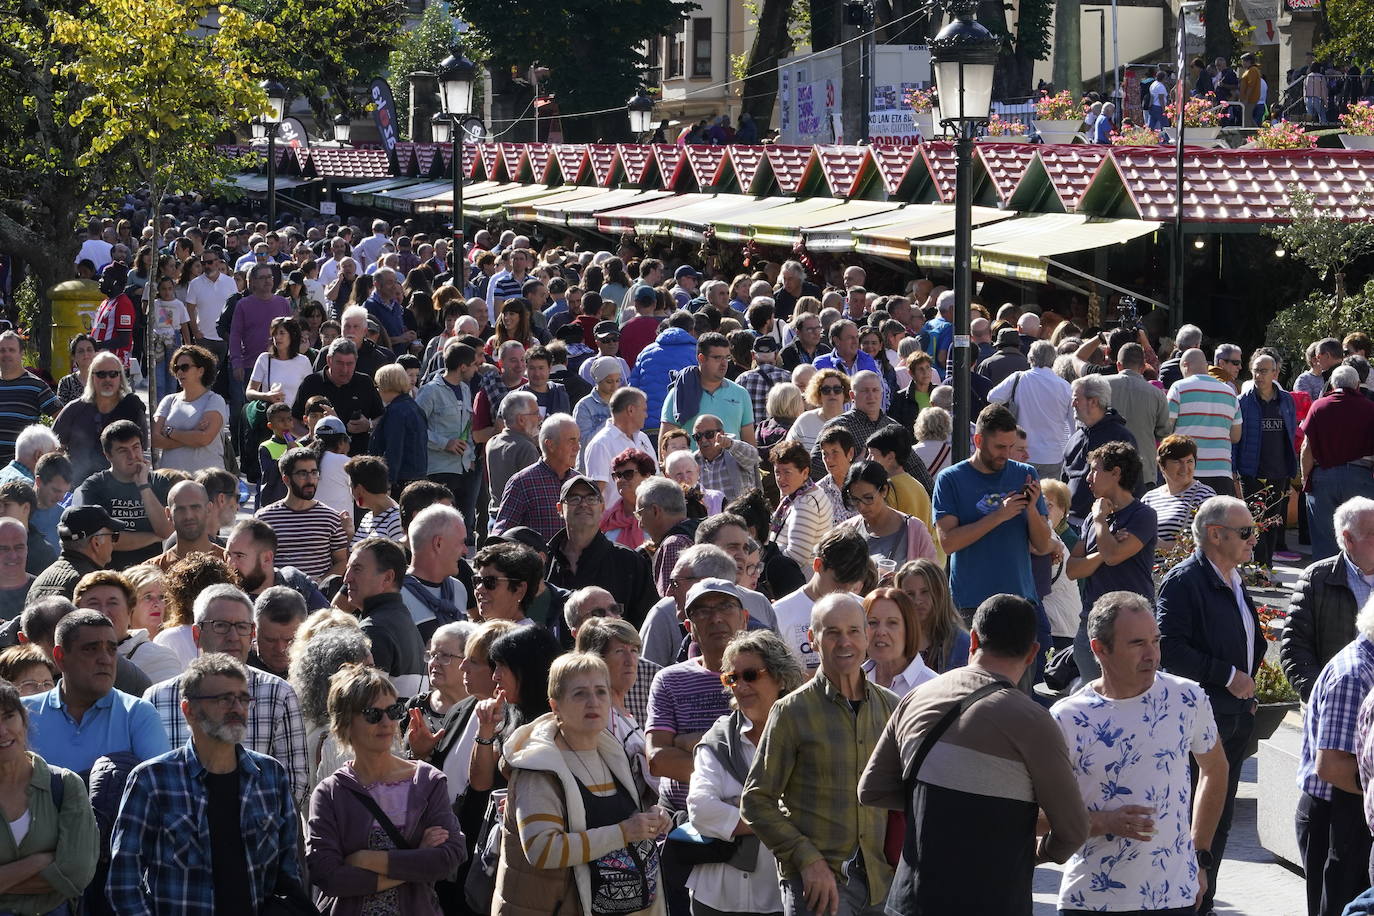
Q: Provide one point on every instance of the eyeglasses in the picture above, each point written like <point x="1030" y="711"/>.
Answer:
<point x="610" y="610"/>
<point x="442" y="659"/>
<point x="1234" y="362"/>
<point x="682" y="580"/>
<point x="706" y="434"/>
<point x="489" y="582"/>
<point x="107" y="373"/>
<point x="586" y="499"/>
<point x="1244" y="533"/>
<point x="867" y="499"/>
<point x="748" y="675"/>
<point x="33" y="686"/>
<point x="395" y="712"/>
<point x="112" y="535"/>
<point x="753" y="569"/>
<point x="222" y="627"/>
<point x="713" y="610"/>
<point x="832" y="389"/>
<point x="226" y="700"/>
<point x="626" y="474"/>
<point x="182" y="367"/>
<point x="306" y="474"/>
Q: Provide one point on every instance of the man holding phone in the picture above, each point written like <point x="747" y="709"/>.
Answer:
<point x="131" y="494"/>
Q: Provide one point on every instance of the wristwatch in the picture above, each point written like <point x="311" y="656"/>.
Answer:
<point x="1204" y="858"/>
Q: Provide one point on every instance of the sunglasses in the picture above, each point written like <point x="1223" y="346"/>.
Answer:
<point x="395" y="712"/>
<point x="626" y="474"/>
<point x="181" y="367"/>
<point x="706" y="435"/>
<point x="748" y="675"/>
<point x="489" y="582"/>
<point x="1244" y="533"/>
<point x="832" y="389"/>
<point x="107" y="374"/>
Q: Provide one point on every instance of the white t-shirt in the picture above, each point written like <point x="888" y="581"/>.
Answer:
<point x="1136" y="752"/>
<point x="287" y="373"/>
<point x="330" y="269"/>
<point x="1159" y="94"/>
<point x="168" y="316"/>
<point x="97" y="251"/>
<point x="334" y="490"/>
<point x="794" y="620"/>
<point x="208" y="296"/>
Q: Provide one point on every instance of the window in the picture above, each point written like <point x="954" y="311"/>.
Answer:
<point x="653" y="72"/>
<point x="676" y="48"/>
<point x="701" y="47"/>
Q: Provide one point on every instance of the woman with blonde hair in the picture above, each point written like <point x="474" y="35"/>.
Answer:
<point x="400" y="435"/>
<point x="106" y="399"/>
<point x="830" y="389"/>
<point x="150" y="598"/>
<point x="945" y="642"/>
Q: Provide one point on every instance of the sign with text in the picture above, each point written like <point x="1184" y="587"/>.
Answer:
<point x="384" y="111"/>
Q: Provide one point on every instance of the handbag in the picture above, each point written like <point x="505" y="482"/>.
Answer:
<point x="691" y="847"/>
<point x="288" y="898"/>
<point x="625" y="880"/>
<point x="480" y="887"/>
<point x="1011" y="401"/>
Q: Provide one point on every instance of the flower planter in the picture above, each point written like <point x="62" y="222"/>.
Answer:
<point x="1267" y="720"/>
<point x="924" y="122"/>
<point x="1200" y="134"/>
<point x="1357" y="141"/>
<point x="1058" y="131"/>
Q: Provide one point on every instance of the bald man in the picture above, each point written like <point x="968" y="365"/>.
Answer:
<point x="192" y="519"/>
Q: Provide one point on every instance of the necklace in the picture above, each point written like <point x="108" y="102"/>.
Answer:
<point x="578" y="756"/>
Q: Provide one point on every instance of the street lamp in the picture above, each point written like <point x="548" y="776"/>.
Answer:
<point x="276" y="100"/>
<point x="343" y="128"/>
<point x="258" y="128"/>
<point x="440" y="126"/>
<point x="641" y="109"/>
<point x="964" y="55"/>
<point x="456" y="76"/>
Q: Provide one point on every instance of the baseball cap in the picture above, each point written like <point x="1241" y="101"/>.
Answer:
<point x="646" y="294"/>
<point x="573" y="481"/>
<point x="709" y="587"/>
<point x="606" y="330"/>
<point x="1008" y="337"/>
<point x="603" y="366"/>
<point x="373" y="327"/>
<point x="765" y="344"/>
<point x="522" y="535"/>
<point x="570" y="333"/>
<point x="330" y="426"/>
<point x="84" y="521"/>
<point x="686" y="270"/>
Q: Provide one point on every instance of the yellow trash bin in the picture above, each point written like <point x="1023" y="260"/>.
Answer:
<point x="74" y="303"/>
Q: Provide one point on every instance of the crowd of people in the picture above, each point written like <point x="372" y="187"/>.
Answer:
<point x="578" y="581"/>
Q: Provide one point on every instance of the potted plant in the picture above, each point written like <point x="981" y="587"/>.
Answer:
<point x="1135" y="135"/>
<point x="1201" y="117"/>
<point x="1058" y="117"/>
<point x="1004" y="131"/>
<point x="1282" y="135"/>
<point x="1358" y="126"/>
<point x="1277" y="699"/>
<point x="922" y="103"/>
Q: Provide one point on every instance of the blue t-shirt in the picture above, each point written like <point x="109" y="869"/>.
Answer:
<point x="999" y="561"/>
<point x="938" y="334"/>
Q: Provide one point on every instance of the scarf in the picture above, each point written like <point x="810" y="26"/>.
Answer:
<point x="780" y="514"/>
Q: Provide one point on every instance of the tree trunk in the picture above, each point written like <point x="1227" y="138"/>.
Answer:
<point x="825" y="24"/>
<point x="771" y="44"/>
<point x="1219" y="40"/>
<point x="1068" y="46"/>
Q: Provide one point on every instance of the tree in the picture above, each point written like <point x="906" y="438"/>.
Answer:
<point x="778" y="29"/>
<point x="1068" y="46"/>
<point x="1350" y="30"/>
<point x="1219" y="40"/>
<point x="590" y="46"/>
<point x="421" y="48"/>
<point x="328" y="47"/>
<point x="1018" y="53"/>
<point x="1322" y="239"/>
<point x="100" y="101"/>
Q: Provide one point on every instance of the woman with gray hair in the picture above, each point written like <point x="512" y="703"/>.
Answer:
<point x="321" y="657"/>
<point x="933" y="441"/>
<point x="107" y="398"/>
<point x="757" y="670"/>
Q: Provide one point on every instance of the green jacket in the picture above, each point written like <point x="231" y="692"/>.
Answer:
<point x="70" y="835"/>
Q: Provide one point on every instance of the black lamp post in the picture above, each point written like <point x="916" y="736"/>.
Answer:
<point x="271" y="123"/>
<point x="641" y="109"/>
<point x="343" y="128"/>
<point x="964" y="55"/>
<point x="456" y="75"/>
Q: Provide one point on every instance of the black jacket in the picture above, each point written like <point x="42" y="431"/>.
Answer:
<point x="1321" y="622"/>
<point x="61" y="577"/>
<point x="792" y="356"/>
<point x="1111" y="428"/>
<point x="1002" y="364"/>
<point x="396" y="645"/>
<point x="623" y="572"/>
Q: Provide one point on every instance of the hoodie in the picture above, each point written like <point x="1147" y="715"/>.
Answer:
<point x="1111" y="428"/>
<point x="672" y="351"/>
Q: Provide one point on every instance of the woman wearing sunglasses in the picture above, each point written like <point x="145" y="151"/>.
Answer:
<point x="628" y="470"/>
<point x="107" y="398"/>
<point x="381" y="829"/>
<point x="830" y="389"/>
<point x="757" y="669"/>
<point x="890" y="534"/>
<point x="189" y="424"/>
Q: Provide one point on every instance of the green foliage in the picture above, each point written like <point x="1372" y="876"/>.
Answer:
<point x="1320" y="315"/>
<point x="590" y="46"/>
<point x="1322" y="238"/>
<point x="1271" y="686"/>
<point x="421" y="48"/>
<point x="1033" y="34"/>
<point x="1351" y="30"/>
<point x="798" y="32"/>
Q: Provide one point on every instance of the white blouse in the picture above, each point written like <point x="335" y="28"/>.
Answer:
<point x="915" y="674"/>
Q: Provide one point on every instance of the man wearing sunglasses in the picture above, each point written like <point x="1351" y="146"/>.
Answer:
<point x="206" y="296"/>
<point x="1210" y="633"/>
<point x="728" y="465"/>
<point x="808" y="346"/>
<point x="580" y="555"/>
<point x="225" y="624"/>
<point x="215" y="794"/>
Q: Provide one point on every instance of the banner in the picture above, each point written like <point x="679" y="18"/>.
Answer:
<point x="384" y="110"/>
<point x="292" y="133"/>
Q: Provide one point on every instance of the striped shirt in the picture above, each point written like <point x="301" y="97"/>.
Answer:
<point x="1175" y="513"/>
<point x="22" y="401"/>
<point x="387" y="525"/>
<point x="1204" y="409"/>
<point x="306" y="539"/>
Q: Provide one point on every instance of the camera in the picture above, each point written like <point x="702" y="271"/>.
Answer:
<point x="1128" y="313"/>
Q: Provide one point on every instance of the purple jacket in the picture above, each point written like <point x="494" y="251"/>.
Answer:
<point x="339" y="826"/>
<point x="250" y="328"/>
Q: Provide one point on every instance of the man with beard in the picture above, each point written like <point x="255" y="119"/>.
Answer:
<point x="310" y="534"/>
<point x="224" y="624"/>
<point x="210" y="794"/>
<point x="252" y="553"/>
<point x="190" y="507"/>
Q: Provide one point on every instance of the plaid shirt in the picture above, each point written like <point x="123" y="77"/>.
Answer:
<point x="1333" y="711"/>
<point x="275" y="726"/>
<point x="637" y="700"/>
<point x="160" y="851"/>
<point x="531" y="499"/>
<point x="758" y="382"/>
<point x="732" y="472"/>
<point x="861" y="427"/>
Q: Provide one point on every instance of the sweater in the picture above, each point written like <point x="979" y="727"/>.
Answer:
<point x="401" y="438"/>
<point x="1111" y="428"/>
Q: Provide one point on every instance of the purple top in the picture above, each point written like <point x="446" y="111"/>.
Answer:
<point x="339" y="826"/>
<point x="685" y="698"/>
<point x="249" y="335"/>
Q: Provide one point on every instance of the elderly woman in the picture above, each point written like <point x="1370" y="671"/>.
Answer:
<point x="616" y="642"/>
<point x="757" y="669"/>
<point x="322" y="655"/>
<point x="29" y="669"/>
<point x="106" y="398"/>
<point x="150" y="597"/>
<point x="381" y="829"/>
<point x="803" y="515"/>
<point x="628" y="470"/>
<point x="574" y="814"/>
<point x="1265" y="457"/>
<point x="1177" y="499"/>
<point x="908" y="403"/>
<point x="785" y="404"/>
<point x="189" y="424"/>
<point x="400" y="435"/>
<point x="934" y="428"/>
<point x="831" y="390"/>
<point x="682" y="467"/>
<point x="82" y="351"/>
<point x="944" y="641"/>
<point x="891" y="535"/>
<point x="432" y="714"/>
<point x="51" y="848"/>
<point x="894" y="642"/>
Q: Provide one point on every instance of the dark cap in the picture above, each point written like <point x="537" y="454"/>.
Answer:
<point x="646" y="294"/>
<point x="522" y="535"/>
<point x="84" y="521"/>
<point x="296" y="276"/>
<point x="570" y="333"/>
<point x="606" y="330"/>
<point x="574" y="481"/>
<point x="765" y="344"/>
<point x="686" y="270"/>
<point x="1008" y="337"/>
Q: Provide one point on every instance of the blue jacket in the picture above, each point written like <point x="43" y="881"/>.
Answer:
<point x="401" y="437"/>
<point x="1201" y="634"/>
<point x="672" y="351"/>
<point x="1246" y="453"/>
